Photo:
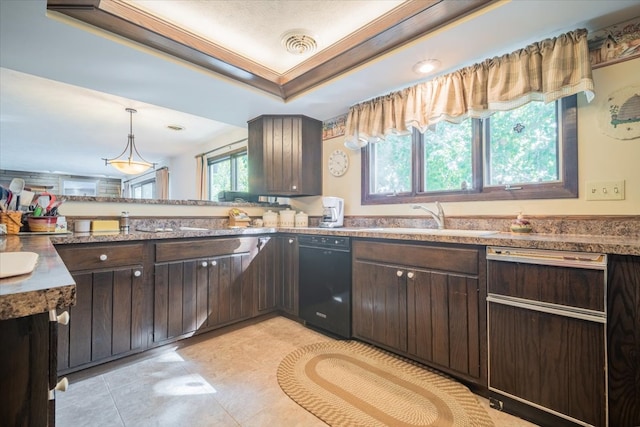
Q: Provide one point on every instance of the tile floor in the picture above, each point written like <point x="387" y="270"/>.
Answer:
<point x="213" y="380"/>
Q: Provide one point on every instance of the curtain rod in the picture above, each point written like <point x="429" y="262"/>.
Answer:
<point x="146" y="173"/>
<point x="220" y="148"/>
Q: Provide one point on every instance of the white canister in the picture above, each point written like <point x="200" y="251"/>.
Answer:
<point x="287" y="218"/>
<point x="302" y="219"/>
<point x="82" y="226"/>
<point x="270" y="219"/>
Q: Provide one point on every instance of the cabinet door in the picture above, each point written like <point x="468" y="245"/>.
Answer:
<point x="443" y="321"/>
<point x="284" y="154"/>
<point x="289" y="296"/>
<point x="24" y="371"/>
<point x="553" y="361"/>
<point x="623" y="340"/>
<point x="107" y="319"/>
<point x="379" y="304"/>
<point x="265" y="268"/>
<point x="230" y="289"/>
<point x="175" y="299"/>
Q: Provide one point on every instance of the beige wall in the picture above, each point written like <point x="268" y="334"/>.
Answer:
<point x="600" y="158"/>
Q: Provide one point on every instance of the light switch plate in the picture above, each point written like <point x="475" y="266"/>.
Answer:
<point x="605" y="190"/>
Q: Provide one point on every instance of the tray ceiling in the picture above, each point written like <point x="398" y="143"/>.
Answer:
<point x="242" y="40"/>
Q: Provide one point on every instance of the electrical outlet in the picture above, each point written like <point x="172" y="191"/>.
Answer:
<point x="605" y="190"/>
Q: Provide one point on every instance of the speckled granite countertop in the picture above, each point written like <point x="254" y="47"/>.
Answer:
<point x="51" y="286"/>
<point x="48" y="287"/>
<point x="569" y="242"/>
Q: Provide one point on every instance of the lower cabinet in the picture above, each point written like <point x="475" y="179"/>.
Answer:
<point x="424" y="302"/>
<point x="108" y="318"/>
<point x="289" y="274"/>
<point x="623" y="340"/>
<point x="267" y="274"/>
<point x="25" y="371"/>
<point x="202" y="284"/>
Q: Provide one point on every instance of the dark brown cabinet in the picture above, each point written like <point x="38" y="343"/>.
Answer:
<point x="289" y="274"/>
<point x="379" y="302"/>
<point x="267" y="274"/>
<point x="422" y="301"/>
<point x="25" y="371"/>
<point x="108" y="318"/>
<point x="547" y="334"/>
<point x="623" y="340"/>
<point x="202" y="284"/>
<point x="285" y="156"/>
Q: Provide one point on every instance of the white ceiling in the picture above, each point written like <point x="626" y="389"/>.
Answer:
<point x="64" y="86"/>
<point x="254" y="28"/>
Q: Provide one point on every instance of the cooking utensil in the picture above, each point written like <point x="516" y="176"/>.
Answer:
<point x="46" y="201"/>
<point x="9" y="200"/>
<point x="16" y="186"/>
<point x="52" y="209"/>
<point x="26" y="197"/>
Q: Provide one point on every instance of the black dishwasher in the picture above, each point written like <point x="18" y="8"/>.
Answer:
<point x="325" y="283"/>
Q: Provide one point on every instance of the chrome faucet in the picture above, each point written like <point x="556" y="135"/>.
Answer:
<point x="439" y="217"/>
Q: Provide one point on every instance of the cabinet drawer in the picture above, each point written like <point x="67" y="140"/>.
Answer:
<point x="568" y="286"/>
<point x="457" y="260"/>
<point x="189" y="249"/>
<point x="86" y="257"/>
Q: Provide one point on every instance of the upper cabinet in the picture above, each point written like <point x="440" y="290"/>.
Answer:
<point x="285" y="156"/>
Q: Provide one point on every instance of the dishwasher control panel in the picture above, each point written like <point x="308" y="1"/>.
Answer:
<point x="329" y="242"/>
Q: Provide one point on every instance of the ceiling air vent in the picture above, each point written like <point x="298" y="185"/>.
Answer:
<point x="299" y="42"/>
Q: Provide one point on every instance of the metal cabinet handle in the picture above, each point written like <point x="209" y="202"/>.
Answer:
<point x="137" y="273"/>
<point x="290" y="241"/>
<point x="214" y="262"/>
<point x="62" y="319"/>
<point x="62" y="385"/>
<point x="410" y="275"/>
<point x="399" y="273"/>
<point x="103" y="257"/>
<point x="204" y="263"/>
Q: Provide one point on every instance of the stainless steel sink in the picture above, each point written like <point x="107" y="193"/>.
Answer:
<point x="431" y="231"/>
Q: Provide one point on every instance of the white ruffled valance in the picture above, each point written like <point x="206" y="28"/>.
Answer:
<point x="544" y="71"/>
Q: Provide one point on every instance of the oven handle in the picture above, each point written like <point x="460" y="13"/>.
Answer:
<point x="545" y="307"/>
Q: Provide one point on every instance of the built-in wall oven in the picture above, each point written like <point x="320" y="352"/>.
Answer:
<point x="325" y="283"/>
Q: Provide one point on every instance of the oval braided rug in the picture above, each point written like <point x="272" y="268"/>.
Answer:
<point x="348" y="383"/>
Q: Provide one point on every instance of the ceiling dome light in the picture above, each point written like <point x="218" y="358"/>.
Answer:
<point x="129" y="165"/>
<point x="299" y="42"/>
<point x="426" y="66"/>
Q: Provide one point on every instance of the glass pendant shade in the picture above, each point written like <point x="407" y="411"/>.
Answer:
<point x="129" y="165"/>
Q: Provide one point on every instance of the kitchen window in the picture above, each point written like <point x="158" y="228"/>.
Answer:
<point x="526" y="153"/>
<point x="144" y="189"/>
<point x="228" y="172"/>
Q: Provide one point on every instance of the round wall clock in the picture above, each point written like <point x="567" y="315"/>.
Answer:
<point x="338" y="163"/>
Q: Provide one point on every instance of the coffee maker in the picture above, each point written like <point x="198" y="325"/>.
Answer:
<point x="332" y="212"/>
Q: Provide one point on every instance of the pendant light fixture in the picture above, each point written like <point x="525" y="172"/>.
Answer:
<point x="128" y="165"/>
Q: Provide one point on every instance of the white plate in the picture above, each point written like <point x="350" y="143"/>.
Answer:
<point x="16" y="263"/>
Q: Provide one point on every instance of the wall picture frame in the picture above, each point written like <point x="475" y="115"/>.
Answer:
<point x="334" y="127"/>
<point x="614" y="44"/>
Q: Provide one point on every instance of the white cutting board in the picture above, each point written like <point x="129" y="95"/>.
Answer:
<point x="16" y="263"/>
